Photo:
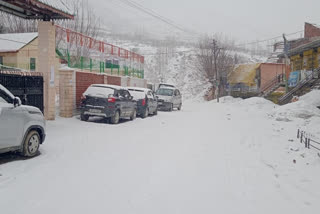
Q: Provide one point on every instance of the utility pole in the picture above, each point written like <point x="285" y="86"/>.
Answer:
<point x="216" y="51"/>
<point x="286" y="49"/>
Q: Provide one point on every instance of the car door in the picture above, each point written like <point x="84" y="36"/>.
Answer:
<point x="123" y="102"/>
<point x="179" y="98"/>
<point x="151" y="101"/>
<point x="175" y="99"/>
<point x="129" y="103"/>
<point x="11" y="122"/>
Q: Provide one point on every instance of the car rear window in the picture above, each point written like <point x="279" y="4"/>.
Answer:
<point x="99" y="91"/>
<point x="165" y="92"/>
<point x="137" y="94"/>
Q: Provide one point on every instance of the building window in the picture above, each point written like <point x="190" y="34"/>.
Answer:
<point x="32" y="64"/>
<point x="1" y="60"/>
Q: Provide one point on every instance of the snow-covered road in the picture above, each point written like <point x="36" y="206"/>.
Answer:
<point x="209" y="158"/>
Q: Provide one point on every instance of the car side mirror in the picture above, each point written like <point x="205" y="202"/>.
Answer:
<point x="157" y="97"/>
<point x="16" y="102"/>
<point x="131" y="98"/>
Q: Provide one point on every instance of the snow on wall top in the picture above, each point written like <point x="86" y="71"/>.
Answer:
<point x="59" y="5"/>
<point x="10" y="42"/>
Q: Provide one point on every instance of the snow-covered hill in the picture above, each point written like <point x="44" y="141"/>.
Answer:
<point x="176" y="64"/>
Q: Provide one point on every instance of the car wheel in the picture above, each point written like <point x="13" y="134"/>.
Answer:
<point x="31" y="144"/>
<point x="115" y="118"/>
<point x="146" y="113"/>
<point x="134" y="115"/>
<point x="171" y="107"/>
<point x="155" y="112"/>
<point x="179" y="108"/>
<point x="84" y="117"/>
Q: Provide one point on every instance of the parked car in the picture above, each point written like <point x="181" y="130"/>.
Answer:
<point x="169" y="98"/>
<point x="108" y="101"/>
<point x="22" y="128"/>
<point x="147" y="103"/>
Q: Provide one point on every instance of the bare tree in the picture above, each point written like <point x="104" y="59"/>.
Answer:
<point x="215" y="61"/>
<point x="86" y="23"/>
<point x="14" y="24"/>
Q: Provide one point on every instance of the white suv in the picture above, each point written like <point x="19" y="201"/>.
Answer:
<point x="168" y="98"/>
<point x="22" y="128"/>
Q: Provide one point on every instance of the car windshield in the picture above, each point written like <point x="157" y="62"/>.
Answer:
<point x="165" y="92"/>
<point x="137" y="94"/>
<point x="99" y="91"/>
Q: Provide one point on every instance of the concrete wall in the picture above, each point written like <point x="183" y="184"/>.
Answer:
<point x="9" y="59"/>
<point x="311" y="31"/>
<point x="269" y="71"/>
<point x="84" y="80"/>
<point x="27" y="52"/>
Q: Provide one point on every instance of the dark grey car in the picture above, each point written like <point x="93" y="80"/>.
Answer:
<point x="108" y="101"/>
<point x="147" y="102"/>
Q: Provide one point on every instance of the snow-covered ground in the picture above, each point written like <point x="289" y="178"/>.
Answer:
<point x="235" y="156"/>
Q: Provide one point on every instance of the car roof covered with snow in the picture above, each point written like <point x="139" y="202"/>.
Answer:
<point x="171" y="88"/>
<point x="109" y="86"/>
<point x="162" y="85"/>
<point x="146" y="90"/>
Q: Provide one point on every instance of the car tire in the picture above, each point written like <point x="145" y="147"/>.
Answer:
<point x="171" y="108"/>
<point x="115" y="118"/>
<point x="155" y="112"/>
<point x="31" y="144"/>
<point x="179" y="108"/>
<point x="134" y="115"/>
<point x="145" y="113"/>
<point x="84" y="117"/>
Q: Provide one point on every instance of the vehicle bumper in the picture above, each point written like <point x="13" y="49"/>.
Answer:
<point x="98" y="111"/>
<point x="141" y="110"/>
<point x="164" y="105"/>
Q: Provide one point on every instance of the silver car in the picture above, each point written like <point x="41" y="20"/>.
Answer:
<point x="169" y="98"/>
<point x="22" y="128"/>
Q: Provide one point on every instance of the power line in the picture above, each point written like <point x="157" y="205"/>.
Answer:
<point x="155" y="15"/>
<point x="266" y="40"/>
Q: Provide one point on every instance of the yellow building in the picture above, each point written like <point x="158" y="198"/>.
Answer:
<point x="19" y="50"/>
<point x="305" y="57"/>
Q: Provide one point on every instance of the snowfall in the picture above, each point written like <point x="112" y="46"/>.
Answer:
<point x="235" y="156"/>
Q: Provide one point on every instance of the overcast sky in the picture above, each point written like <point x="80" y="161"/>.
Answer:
<point x="244" y="20"/>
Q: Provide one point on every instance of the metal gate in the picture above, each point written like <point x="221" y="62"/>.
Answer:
<point x="28" y="86"/>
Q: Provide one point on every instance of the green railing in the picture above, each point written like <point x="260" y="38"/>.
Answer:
<point x="93" y="65"/>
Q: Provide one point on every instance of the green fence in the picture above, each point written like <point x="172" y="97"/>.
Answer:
<point x="93" y="65"/>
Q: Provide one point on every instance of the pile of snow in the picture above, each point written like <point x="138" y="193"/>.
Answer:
<point x="229" y="99"/>
<point x="304" y="108"/>
<point x="258" y="103"/>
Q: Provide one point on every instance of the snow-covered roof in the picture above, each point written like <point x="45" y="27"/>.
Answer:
<point x="244" y="73"/>
<point x="11" y="42"/>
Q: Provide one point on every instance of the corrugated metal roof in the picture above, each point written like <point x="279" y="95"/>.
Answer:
<point x="11" y="42"/>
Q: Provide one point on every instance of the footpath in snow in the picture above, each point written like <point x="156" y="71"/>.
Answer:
<point x="236" y="156"/>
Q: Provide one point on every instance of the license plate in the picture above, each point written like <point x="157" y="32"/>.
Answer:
<point x="160" y="103"/>
<point x="94" y="110"/>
